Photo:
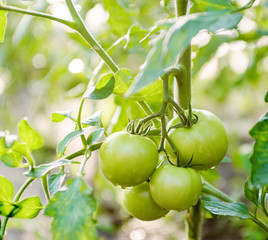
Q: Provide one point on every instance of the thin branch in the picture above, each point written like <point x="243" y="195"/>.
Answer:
<point x="38" y="14"/>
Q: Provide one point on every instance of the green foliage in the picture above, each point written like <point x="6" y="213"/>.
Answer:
<point x="103" y="88"/>
<point x="27" y="208"/>
<point x="259" y="159"/>
<point x="176" y="37"/>
<point x="206" y="5"/>
<point x="44" y="169"/>
<point x="66" y="140"/>
<point x="72" y="210"/>
<point x="55" y="181"/>
<point x="3" y="21"/>
<point x="94" y="120"/>
<point x="234" y="209"/>
<point x="60" y="116"/>
<point x="29" y="136"/>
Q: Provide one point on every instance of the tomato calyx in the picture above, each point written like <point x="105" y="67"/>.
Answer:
<point x="138" y="129"/>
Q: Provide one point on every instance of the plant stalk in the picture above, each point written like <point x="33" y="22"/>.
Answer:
<point x="194" y="221"/>
<point x="16" y="199"/>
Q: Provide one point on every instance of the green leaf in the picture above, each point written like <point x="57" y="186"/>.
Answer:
<point x="266" y="97"/>
<point x="28" y="208"/>
<point x="6" y="189"/>
<point x="66" y="140"/>
<point x="208" y="5"/>
<point x="13" y="160"/>
<point x="3" y="22"/>
<point x="103" y="88"/>
<point x="29" y="136"/>
<point x="259" y="158"/>
<point x="234" y="209"/>
<point x="73" y="208"/>
<point x="94" y="136"/>
<point x="9" y="140"/>
<point x="119" y="18"/>
<point x="260" y="130"/>
<point x="251" y="193"/>
<point x="94" y="120"/>
<point x="123" y="80"/>
<point x="205" y="53"/>
<point x="6" y="194"/>
<point x="43" y="169"/>
<point x="60" y="116"/>
<point x="175" y="39"/>
<point x="55" y="181"/>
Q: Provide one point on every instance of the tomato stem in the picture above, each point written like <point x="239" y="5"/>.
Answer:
<point x="194" y="221"/>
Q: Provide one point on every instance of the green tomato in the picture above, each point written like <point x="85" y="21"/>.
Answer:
<point x="175" y="188"/>
<point x="128" y="160"/>
<point x="139" y="203"/>
<point x="205" y="142"/>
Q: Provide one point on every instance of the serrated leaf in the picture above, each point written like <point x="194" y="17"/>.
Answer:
<point x="94" y="136"/>
<point x="234" y="209"/>
<point x="172" y="42"/>
<point x="94" y="120"/>
<point x="55" y="181"/>
<point x="6" y="189"/>
<point x="60" y="116"/>
<point x="43" y="169"/>
<point x="66" y="140"/>
<point x="260" y="130"/>
<point x="3" y="22"/>
<point x="12" y="160"/>
<point x="103" y="88"/>
<point x="208" y="5"/>
<point x="29" y="136"/>
<point x="28" y="208"/>
<point x="259" y="158"/>
<point x="74" y="208"/>
<point x="251" y="193"/>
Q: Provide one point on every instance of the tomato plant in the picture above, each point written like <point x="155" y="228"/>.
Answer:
<point x="128" y="160"/>
<point x="203" y="145"/>
<point x="138" y="201"/>
<point x="175" y="188"/>
<point x="135" y="111"/>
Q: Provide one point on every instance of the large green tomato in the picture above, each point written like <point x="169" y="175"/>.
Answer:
<point x="205" y="142"/>
<point x="128" y="160"/>
<point x="139" y="203"/>
<point x="175" y="188"/>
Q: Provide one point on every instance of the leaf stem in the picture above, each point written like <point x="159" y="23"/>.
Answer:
<point x="148" y="111"/>
<point x="81" y="28"/>
<point x="15" y="199"/>
<point x="194" y="221"/>
<point x="79" y="124"/>
<point x="37" y="14"/>
<point x="45" y="186"/>
<point x="209" y="189"/>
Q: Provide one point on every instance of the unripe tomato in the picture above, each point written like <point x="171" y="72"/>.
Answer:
<point x="128" y="160"/>
<point x="205" y="142"/>
<point x="175" y="188"/>
<point x="139" y="203"/>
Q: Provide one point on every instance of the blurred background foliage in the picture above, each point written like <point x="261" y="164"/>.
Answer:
<point x="46" y="67"/>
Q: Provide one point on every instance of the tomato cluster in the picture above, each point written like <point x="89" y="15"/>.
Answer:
<point x="131" y="161"/>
